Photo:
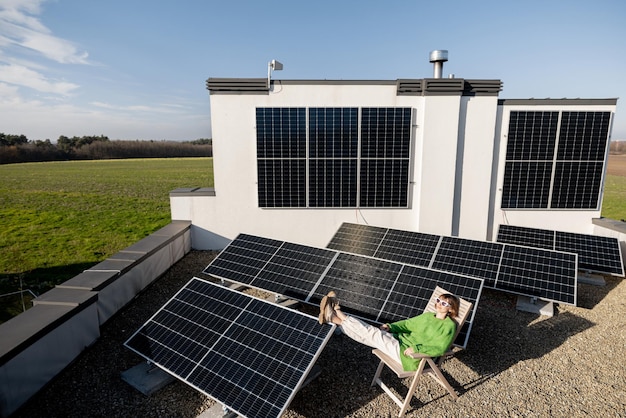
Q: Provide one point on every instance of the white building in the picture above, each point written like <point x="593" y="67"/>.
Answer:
<point x="294" y="159"/>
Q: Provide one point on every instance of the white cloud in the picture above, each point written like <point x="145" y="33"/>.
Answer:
<point x="22" y="76"/>
<point x="21" y="30"/>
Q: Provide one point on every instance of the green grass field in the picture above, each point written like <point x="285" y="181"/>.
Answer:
<point x="59" y="218"/>
<point x="614" y="200"/>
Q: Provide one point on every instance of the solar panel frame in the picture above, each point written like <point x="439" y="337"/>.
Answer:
<point x="246" y="353"/>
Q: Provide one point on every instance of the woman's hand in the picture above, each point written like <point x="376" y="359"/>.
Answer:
<point x="409" y="351"/>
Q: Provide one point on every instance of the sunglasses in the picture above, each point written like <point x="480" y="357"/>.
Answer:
<point x="442" y="302"/>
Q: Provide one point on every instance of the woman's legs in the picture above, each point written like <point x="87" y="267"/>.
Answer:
<point x="367" y="334"/>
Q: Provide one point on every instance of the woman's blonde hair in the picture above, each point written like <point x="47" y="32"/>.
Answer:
<point x="454" y="304"/>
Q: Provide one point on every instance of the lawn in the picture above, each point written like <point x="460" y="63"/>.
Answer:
<point x="59" y="218"/>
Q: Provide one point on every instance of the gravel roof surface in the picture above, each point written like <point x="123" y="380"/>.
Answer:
<point x="516" y="364"/>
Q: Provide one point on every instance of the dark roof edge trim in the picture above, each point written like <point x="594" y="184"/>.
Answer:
<point x="237" y="85"/>
<point x="540" y="102"/>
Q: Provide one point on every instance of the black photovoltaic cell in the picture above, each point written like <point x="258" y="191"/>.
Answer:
<point x="583" y="136"/>
<point x="526" y="184"/>
<point x="366" y="286"/>
<point x="407" y="247"/>
<point x="532" y="135"/>
<point x="577" y="185"/>
<point x="358" y="239"/>
<point x="248" y="354"/>
<point x="282" y="183"/>
<point x="293" y="271"/>
<point x="531" y="272"/>
<point x="245" y="258"/>
<point x="595" y="253"/>
<point x="384" y="183"/>
<point x="537" y="272"/>
<point x="332" y="183"/>
<point x="530" y="237"/>
<point x="472" y="258"/>
<point x="362" y="283"/>
<point x="599" y="254"/>
<point x="385" y="152"/>
<point x="281" y="157"/>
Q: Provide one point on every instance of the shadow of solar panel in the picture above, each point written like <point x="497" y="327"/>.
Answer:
<point x="414" y="288"/>
<point x="551" y="275"/>
<point x="408" y="247"/>
<point x="248" y="354"/>
<point x="363" y="283"/>
<point x="294" y="270"/>
<point x="472" y="258"/>
<point x="243" y="259"/>
<point x="357" y="239"/>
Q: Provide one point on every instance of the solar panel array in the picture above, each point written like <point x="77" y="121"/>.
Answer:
<point x="246" y="353"/>
<point x="373" y="289"/>
<point x="595" y="253"/>
<point x="533" y="272"/>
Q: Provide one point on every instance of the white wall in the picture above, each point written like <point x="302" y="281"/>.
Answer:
<point x="474" y="166"/>
<point x="439" y="135"/>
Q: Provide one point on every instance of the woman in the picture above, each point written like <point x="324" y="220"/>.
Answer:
<point x="430" y="333"/>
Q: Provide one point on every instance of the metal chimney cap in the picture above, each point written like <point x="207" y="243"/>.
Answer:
<point x="439" y="55"/>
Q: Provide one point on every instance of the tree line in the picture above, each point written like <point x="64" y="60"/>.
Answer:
<point x="19" y="149"/>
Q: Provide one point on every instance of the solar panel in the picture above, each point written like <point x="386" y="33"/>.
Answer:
<point x="537" y="272"/>
<point x="543" y="273"/>
<point x="595" y="253"/>
<point x="366" y="286"/>
<point x="543" y="171"/>
<point x="246" y="353"/>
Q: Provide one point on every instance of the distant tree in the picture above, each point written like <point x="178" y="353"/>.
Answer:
<point x="8" y="140"/>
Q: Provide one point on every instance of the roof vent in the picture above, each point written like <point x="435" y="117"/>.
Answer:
<point x="438" y="57"/>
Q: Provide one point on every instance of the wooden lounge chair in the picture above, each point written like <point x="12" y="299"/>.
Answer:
<point x="428" y="366"/>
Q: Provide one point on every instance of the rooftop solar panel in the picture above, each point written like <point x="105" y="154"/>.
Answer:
<point x="595" y="253"/>
<point x="246" y="353"/>
<point x="543" y="273"/>
<point x="367" y="287"/>
<point x="367" y="242"/>
<point x="536" y="272"/>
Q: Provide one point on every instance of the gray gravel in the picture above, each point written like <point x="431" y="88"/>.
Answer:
<point x="516" y="364"/>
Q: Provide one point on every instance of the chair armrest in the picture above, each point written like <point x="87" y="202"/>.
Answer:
<point x="419" y="355"/>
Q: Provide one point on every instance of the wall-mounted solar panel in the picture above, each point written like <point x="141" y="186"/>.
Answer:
<point x="595" y="253"/>
<point x="370" y="288"/>
<point x="543" y="273"/>
<point x="248" y="354"/>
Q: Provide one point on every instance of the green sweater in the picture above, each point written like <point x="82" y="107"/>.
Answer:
<point x="426" y="334"/>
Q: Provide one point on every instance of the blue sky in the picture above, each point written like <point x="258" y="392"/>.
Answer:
<point x="132" y="69"/>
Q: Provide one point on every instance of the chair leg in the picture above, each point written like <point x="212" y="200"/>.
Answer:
<point x="378" y="371"/>
<point x="436" y="374"/>
<point x="409" y="395"/>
